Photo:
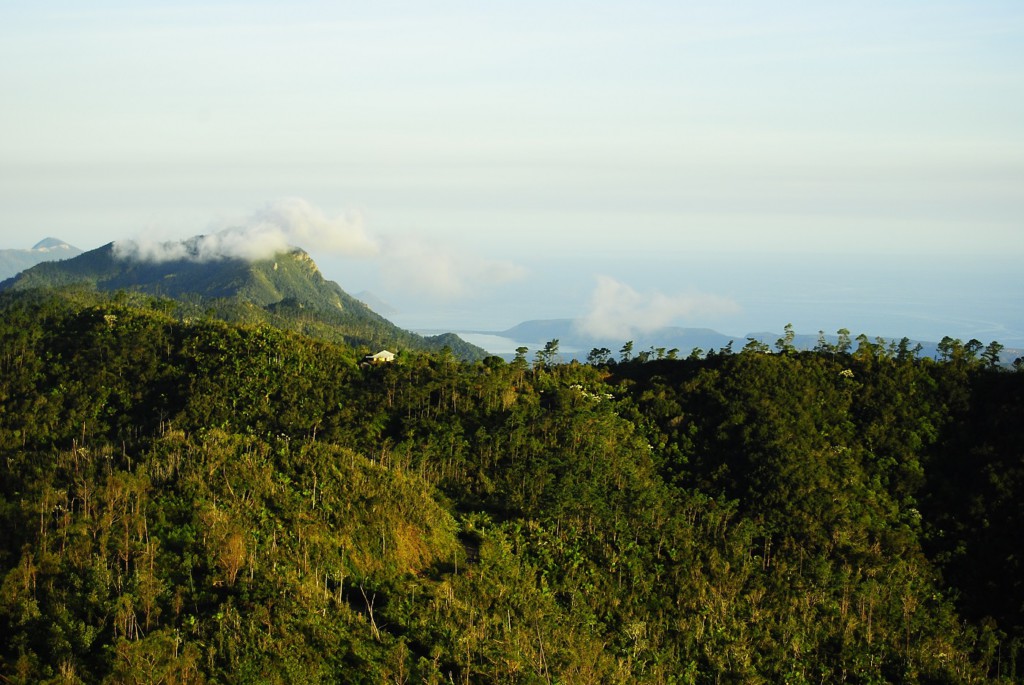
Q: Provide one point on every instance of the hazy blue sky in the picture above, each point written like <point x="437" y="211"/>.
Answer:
<point x="742" y="166"/>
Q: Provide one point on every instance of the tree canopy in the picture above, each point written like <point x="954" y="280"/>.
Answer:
<point x="191" y="500"/>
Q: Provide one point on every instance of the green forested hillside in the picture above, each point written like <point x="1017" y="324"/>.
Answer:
<point x="191" y="501"/>
<point x="286" y="291"/>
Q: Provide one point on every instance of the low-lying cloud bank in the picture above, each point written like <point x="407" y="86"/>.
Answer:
<point x="618" y="311"/>
<point x="408" y="265"/>
<point x="274" y="229"/>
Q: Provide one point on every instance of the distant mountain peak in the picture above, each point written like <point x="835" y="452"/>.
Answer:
<point x="54" y="243"/>
<point x="13" y="261"/>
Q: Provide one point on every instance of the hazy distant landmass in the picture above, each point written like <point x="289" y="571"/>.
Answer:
<point x="572" y="333"/>
<point x="13" y="261"/>
<point x="575" y="342"/>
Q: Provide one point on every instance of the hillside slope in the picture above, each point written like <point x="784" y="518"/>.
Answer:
<point x="287" y="291"/>
<point x="187" y="500"/>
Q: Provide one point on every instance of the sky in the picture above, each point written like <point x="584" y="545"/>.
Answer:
<point x="737" y="166"/>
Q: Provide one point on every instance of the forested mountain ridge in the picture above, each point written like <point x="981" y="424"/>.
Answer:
<point x="188" y="500"/>
<point x="287" y="291"/>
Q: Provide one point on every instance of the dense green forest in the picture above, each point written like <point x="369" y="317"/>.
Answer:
<point x="188" y="500"/>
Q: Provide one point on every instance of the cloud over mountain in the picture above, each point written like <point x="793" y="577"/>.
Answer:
<point x="408" y="263"/>
<point x="275" y="228"/>
<point x="618" y="311"/>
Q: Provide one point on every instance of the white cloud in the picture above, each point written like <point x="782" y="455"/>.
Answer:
<point x="274" y="229"/>
<point x="618" y="311"/>
<point x="412" y="265"/>
<point x="309" y="227"/>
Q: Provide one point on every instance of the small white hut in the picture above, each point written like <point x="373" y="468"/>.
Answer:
<point x="382" y="357"/>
